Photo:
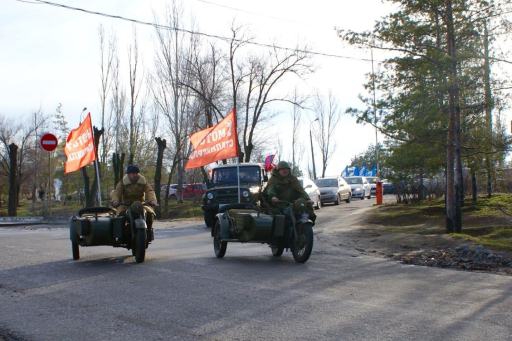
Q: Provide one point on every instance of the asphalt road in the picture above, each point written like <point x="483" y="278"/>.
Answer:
<point x="182" y="292"/>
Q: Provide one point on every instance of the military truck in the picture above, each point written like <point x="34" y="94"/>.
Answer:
<point x="223" y="192"/>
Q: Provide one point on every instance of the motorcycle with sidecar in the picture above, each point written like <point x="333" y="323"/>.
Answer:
<point x="103" y="226"/>
<point x="290" y="229"/>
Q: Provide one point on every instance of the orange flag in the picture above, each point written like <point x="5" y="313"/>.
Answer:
<point x="79" y="147"/>
<point x="215" y="143"/>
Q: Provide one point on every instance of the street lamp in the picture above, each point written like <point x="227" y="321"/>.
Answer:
<point x="312" y="153"/>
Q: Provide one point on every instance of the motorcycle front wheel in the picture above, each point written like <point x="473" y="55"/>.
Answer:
<point x="303" y="244"/>
<point x="219" y="247"/>
<point x="277" y="249"/>
<point x="140" y="245"/>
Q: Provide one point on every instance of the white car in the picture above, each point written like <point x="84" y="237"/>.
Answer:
<point x="173" y="188"/>
<point x="312" y="191"/>
<point x="361" y="188"/>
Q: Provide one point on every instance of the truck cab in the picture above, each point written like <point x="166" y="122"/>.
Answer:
<point x="223" y="192"/>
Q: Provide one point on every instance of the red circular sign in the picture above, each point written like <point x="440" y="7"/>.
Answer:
<point x="49" y="142"/>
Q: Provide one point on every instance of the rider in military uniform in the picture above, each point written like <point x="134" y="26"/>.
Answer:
<point x="132" y="191"/>
<point x="283" y="186"/>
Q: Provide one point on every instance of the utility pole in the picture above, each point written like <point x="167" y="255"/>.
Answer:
<point x="312" y="151"/>
<point x="375" y="118"/>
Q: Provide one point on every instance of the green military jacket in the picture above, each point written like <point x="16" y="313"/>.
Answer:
<point x="127" y="192"/>
<point x="285" y="188"/>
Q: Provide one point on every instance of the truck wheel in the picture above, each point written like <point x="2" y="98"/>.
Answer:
<point x="140" y="245"/>
<point x="303" y="244"/>
<point x="75" y="250"/>
<point x="218" y="246"/>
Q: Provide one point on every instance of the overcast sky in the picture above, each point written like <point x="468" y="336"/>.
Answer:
<point x="50" y="55"/>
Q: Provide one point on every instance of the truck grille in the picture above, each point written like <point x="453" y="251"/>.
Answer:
<point x="226" y="196"/>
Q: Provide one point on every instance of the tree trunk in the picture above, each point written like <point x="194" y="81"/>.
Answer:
<point x="87" y="192"/>
<point x="453" y="180"/>
<point x="488" y="102"/>
<point x="12" y="205"/>
<point x="474" y="188"/>
<point x="161" y="145"/>
<point x="118" y="165"/>
<point x="94" y="190"/>
<point x="166" y="199"/>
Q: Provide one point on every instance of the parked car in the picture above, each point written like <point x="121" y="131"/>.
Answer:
<point x="360" y="187"/>
<point x="373" y="184"/>
<point x="173" y="188"/>
<point x="333" y="190"/>
<point x="193" y="191"/>
<point x="190" y="191"/>
<point x="388" y="187"/>
<point x="313" y="191"/>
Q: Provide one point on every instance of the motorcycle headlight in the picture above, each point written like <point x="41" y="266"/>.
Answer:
<point x="245" y="194"/>
<point x="254" y="189"/>
<point x="209" y="195"/>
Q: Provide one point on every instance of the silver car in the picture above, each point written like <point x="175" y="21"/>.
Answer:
<point x="333" y="190"/>
<point x="361" y="188"/>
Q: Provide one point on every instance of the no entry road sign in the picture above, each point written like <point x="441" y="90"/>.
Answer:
<point x="49" y="142"/>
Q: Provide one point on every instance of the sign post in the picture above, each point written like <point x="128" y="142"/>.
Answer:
<point x="49" y="143"/>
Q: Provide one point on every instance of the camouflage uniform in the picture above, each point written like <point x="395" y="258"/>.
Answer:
<point x="289" y="189"/>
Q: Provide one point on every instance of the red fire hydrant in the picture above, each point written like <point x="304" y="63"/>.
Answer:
<point x="378" y="193"/>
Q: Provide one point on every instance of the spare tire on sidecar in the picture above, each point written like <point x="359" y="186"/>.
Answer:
<point x="97" y="226"/>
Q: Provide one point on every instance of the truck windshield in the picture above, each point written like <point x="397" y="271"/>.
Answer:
<point x="227" y="176"/>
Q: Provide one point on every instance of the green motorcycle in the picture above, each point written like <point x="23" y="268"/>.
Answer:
<point x="290" y="228"/>
<point x="103" y="226"/>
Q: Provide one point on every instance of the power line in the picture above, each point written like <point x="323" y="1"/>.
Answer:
<point x="198" y="33"/>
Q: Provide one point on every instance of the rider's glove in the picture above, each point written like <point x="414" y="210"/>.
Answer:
<point x="275" y="200"/>
<point x="153" y="203"/>
<point x="115" y="203"/>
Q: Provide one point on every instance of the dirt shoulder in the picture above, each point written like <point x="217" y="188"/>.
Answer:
<point x="415" y="234"/>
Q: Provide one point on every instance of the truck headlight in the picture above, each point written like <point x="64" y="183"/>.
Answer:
<point x="209" y="195"/>
<point x="245" y="194"/>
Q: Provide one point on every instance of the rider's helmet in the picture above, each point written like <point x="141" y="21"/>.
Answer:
<point x="283" y="165"/>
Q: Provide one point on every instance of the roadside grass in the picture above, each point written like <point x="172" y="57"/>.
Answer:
<point x="186" y="209"/>
<point x="494" y="237"/>
<point x="489" y="223"/>
<point x="27" y="209"/>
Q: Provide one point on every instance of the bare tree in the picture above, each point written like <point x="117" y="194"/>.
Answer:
<point x="107" y="60"/>
<point x="328" y="115"/>
<point x="133" y="64"/>
<point x="264" y="73"/>
<point x="172" y="98"/>
<point x="15" y="142"/>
